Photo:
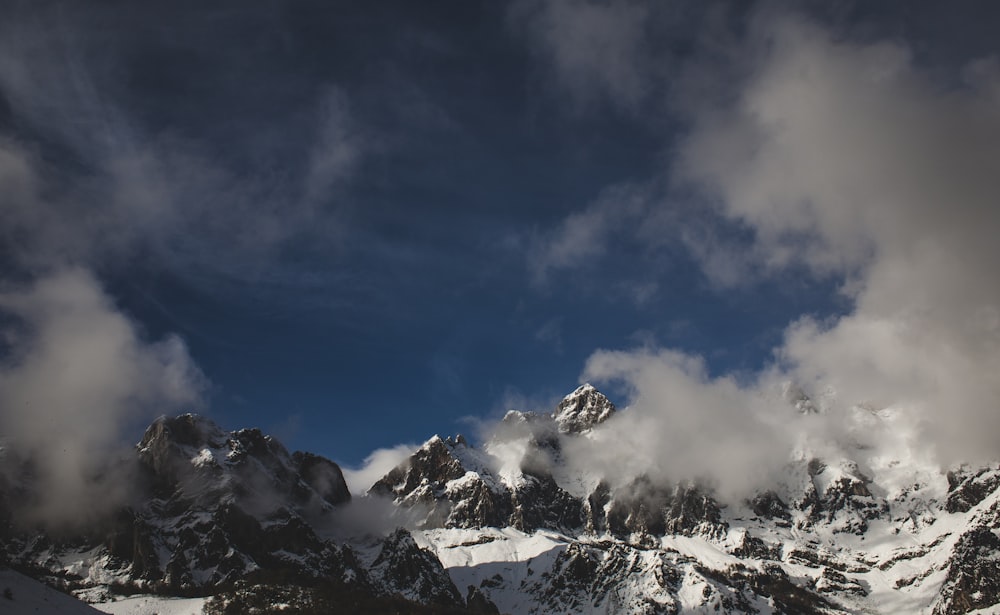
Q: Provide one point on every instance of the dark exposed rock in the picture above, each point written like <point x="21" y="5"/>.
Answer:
<point x="770" y="506"/>
<point x="786" y="595"/>
<point x="432" y="464"/>
<point x="568" y="585"/>
<point x="405" y="569"/>
<point x="973" y="578"/>
<point x="833" y="581"/>
<point x="594" y="509"/>
<point x="213" y="507"/>
<point x="223" y="510"/>
<point x="478" y="604"/>
<point x="646" y="508"/>
<point x="323" y="476"/>
<point x="582" y="409"/>
<point x="436" y="479"/>
<point x="845" y="502"/>
<point x="476" y="504"/>
<point x="968" y="489"/>
<point x="751" y="546"/>
<point x="541" y="503"/>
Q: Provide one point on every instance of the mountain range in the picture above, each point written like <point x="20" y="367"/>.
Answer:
<point x="515" y="526"/>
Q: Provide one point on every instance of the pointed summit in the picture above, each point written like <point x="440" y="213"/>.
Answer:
<point x="582" y="409"/>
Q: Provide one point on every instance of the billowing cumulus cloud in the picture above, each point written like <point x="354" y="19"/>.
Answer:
<point x="118" y="184"/>
<point x="847" y="159"/>
<point x="92" y="185"/>
<point x="683" y="424"/>
<point x="377" y="464"/>
<point x="77" y="370"/>
<point x="833" y="159"/>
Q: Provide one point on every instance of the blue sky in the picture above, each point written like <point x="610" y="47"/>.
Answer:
<point x="366" y="223"/>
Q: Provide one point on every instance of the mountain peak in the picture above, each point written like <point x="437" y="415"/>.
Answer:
<point x="582" y="409"/>
<point x="185" y="429"/>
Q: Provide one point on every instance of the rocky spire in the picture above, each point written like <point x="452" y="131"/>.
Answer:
<point x="582" y="409"/>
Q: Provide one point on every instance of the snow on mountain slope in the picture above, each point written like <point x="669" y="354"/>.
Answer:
<point x="22" y="595"/>
<point x="515" y="527"/>
<point x="883" y="532"/>
<point x="153" y="605"/>
<point x="216" y="508"/>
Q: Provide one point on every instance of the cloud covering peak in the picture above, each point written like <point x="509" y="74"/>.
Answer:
<point x="828" y="158"/>
<point x="78" y="370"/>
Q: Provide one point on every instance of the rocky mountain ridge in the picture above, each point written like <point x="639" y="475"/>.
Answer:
<point x="507" y="527"/>
<point x="224" y="509"/>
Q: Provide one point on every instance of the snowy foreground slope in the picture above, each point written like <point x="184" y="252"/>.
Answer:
<point x="515" y="526"/>
<point x="22" y="595"/>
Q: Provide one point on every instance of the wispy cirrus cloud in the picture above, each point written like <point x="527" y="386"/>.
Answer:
<point x="109" y="183"/>
<point x="593" y="50"/>
<point x="93" y="185"/>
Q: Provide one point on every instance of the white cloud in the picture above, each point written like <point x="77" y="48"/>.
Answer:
<point x="593" y="49"/>
<point x="376" y="465"/>
<point x="584" y="236"/>
<point x="682" y="424"/>
<point x="135" y="186"/>
<point x="842" y="159"/>
<point x="77" y="371"/>
<point x="848" y="159"/>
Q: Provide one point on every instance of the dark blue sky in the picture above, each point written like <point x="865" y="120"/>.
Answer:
<point x="359" y="216"/>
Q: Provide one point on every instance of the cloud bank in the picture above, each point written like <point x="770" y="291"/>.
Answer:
<point x="847" y="159"/>
<point x="376" y="465"/>
<point x="95" y="186"/>
<point x="829" y="158"/>
<point x="77" y="370"/>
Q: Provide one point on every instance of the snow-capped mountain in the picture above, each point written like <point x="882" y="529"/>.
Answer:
<point x="224" y="510"/>
<point x="831" y="536"/>
<point x="513" y="526"/>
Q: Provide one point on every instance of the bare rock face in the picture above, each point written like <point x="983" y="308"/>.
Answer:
<point x="219" y="506"/>
<point x="838" y="496"/>
<point x="968" y="488"/>
<point x="323" y="477"/>
<point x="583" y="409"/>
<point x="450" y="483"/>
<point x="769" y="505"/>
<point x="646" y="508"/>
<point x="478" y="604"/>
<point x="235" y="515"/>
<point x="404" y="569"/>
<point x="539" y="503"/>
<point x="226" y="504"/>
<point x="973" y="579"/>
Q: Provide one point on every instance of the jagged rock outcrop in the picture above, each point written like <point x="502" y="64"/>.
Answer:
<point x="972" y="581"/>
<point x="966" y="487"/>
<point x="235" y="513"/>
<point x="582" y="410"/>
<point x="225" y="504"/>
<point x="404" y="569"/>
<point x="449" y="483"/>
<point x="838" y="496"/>
<point x="220" y="508"/>
<point x="648" y="509"/>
